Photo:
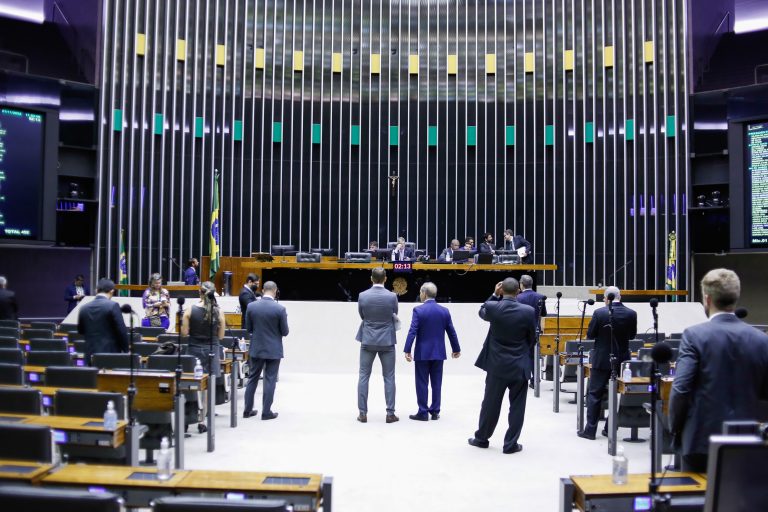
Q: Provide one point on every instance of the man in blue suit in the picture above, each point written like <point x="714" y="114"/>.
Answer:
<point x="537" y="301"/>
<point x="267" y="323"/>
<point x="721" y="373"/>
<point x="102" y="324"/>
<point x="76" y="292"/>
<point x="430" y="323"/>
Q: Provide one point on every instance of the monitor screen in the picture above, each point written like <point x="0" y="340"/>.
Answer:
<point x="739" y="482"/>
<point x="756" y="160"/>
<point x="22" y="145"/>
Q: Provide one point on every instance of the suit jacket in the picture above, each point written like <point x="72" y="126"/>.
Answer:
<point x="625" y="329"/>
<point x="377" y="307"/>
<point x="101" y="322"/>
<point x="267" y="321"/>
<point x="518" y="242"/>
<point x="721" y="374"/>
<point x="190" y="276"/>
<point x="408" y="254"/>
<point x="430" y="323"/>
<point x="532" y="298"/>
<point x="486" y="248"/>
<point x="506" y="352"/>
<point x="70" y="292"/>
<point x="246" y="297"/>
<point x="9" y="309"/>
<point x="444" y="255"/>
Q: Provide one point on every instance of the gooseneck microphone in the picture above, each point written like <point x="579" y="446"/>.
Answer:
<point x="590" y="302"/>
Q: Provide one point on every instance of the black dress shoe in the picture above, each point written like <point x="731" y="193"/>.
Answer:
<point x="516" y="448"/>
<point x="531" y="384"/>
<point x="585" y="435"/>
<point x="248" y="414"/>
<point x="477" y="443"/>
<point x="419" y="417"/>
<point x="269" y="416"/>
<point x="391" y="418"/>
<point x="604" y="433"/>
<point x="362" y="417"/>
<point x="434" y="416"/>
<point x="202" y="428"/>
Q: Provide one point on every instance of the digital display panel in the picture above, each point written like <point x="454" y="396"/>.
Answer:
<point x="22" y="136"/>
<point x="756" y="145"/>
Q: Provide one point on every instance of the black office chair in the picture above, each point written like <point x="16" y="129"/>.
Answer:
<point x="114" y="361"/>
<point x="87" y="404"/>
<point x="11" y="355"/>
<point x="649" y="337"/>
<point x="166" y="338"/>
<point x="25" y="442"/>
<point x="28" y="334"/>
<point x="12" y="332"/>
<point x="237" y="333"/>
<point x="195" y="504"/>
<point x="53" y="345"/>
<point x="283" y="250"/>
<point x="149" y="331"/>
<point x="145" y="349"/>
<point x="79" y="346"/>
<point x="8" y="342"/>
<point x="81" y="377"/>
<point x="15" y="324"/>
<point x="20" y="401"/>
<point x="11" y="374"/>
<point x="50" y="326"/>
<point x="49" y="358"/>
<point x="34" y="499"/>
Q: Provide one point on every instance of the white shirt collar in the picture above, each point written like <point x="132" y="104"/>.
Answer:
<point x="377" y="286"/>
<point x="269" y="297"/>
<point x="721" y="313"/>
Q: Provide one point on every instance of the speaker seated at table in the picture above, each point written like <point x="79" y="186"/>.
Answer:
<point x="53" y="345"/>
<point x="81" y="377"/>
<point x="49" y="358"/>
<point x="324" y="251"/>
<point x="193" y="504"/>
<point x="50" y="326"/>
<point x="115" y="361"/>
<point x="149" y="331"/>
<point x="28" y="334"/>
<point x="283" y="250"/>
<point x="20" y="401"/>
<point x="308" y="257"/>
<point x="89" y="404"/>
<point x="12" y="332"/>
<point x="15" y="324"/>
<point x="11" y="355"/>
<point x="34" y="499"/>
<point x="358" y="257"/>
<point x="408" y="245"/>
<point x="25" y="442"/>
<point x="9" y="342"/>
<point x="11" y="374"/>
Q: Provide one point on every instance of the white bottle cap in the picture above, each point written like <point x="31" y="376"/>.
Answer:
<point x="110" y="405"/>
<point x="619" y="451"/>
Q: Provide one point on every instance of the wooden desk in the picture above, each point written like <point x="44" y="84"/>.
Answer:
<point x="154" y="391"/>
<point x="665" y="389"/>
<point x="255" y="484"/>
<point x="547" y="343"/>
<point x="636" y="385"/>
<point x="22" y="471"/>
<point x="80" y="431"/>
<point x="591" y="488"/>
<point x="331" y="265"/>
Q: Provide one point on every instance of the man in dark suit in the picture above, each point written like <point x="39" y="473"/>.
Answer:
<point x="447" y="254"/>
<point x="534" y="299"/>
<point x="506" y="358"/>
<point x="513" y="242"/>
<point x="624" y="329"/>
<point x="430" y="323"/>
<point x="267" y="322"/>
<point x="190" y="275"/>
<point x="487" y="246"/>
<point x="102" y="324"/>
<point x="248" y="294"/>
<point x="9" y="310"/>
<point x="76" y="292"/>
<point x="402" y="252"/>
<point x="378" y="311"/>
<point x="721" y="372"/>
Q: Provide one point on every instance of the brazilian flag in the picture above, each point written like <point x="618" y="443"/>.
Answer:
<point x="122" y="271"/>
<point x="215" y="228"/>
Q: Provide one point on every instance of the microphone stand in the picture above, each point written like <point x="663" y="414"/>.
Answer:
<point x="612" y="385"/>
<point x="132" y="430"/>
<point x="653" y="485"/>
<point x="537" y="353"/>
<point x="180" y="399"/>
<point x="556" y="362"/>
<point x="580" y="375"/>
<point x="211" y="381"/>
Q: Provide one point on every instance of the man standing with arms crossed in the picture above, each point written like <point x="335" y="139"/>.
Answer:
<point x="378" y="311"/>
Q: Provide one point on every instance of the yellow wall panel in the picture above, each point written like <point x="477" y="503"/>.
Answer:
<point x="221" y="54"/>
<point x="568" y="60"/>
<point x="490" y="63"/>
<point x="648" y="51"/>
<point x="453" y="64"/>
<point x="181" y="49"/>
<point x="141" y="44"/>
<point x="375" y="63"/>
<point x="608" y="56"/>
<point x="337" y="62"/>
<point x="259" y="58"/>
<point x="298" y="60"/>
<point x="413" y="64"/>
<point x="530" y="62"/>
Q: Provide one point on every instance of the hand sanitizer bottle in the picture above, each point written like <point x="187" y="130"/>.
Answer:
<point x="164" y="461"/>
<point x="620" y="467"/>
<point x="110" y="417"/>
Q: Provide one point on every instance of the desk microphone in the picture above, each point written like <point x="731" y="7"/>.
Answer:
<point x="741" y="312"/>
<point x="590" y="302"/>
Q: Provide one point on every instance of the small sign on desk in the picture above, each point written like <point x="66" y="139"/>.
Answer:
<point x="402" y="267"/>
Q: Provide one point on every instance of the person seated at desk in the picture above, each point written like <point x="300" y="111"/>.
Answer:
<point x="373" y="246"/>
<point x="469" y="244"/>
<point x="447" y="254"/>
<point x="76" y="292"/>
<point x="487" y="246"/>
<point x="517" y="243"/>
<point x="402" y="252"/>
<point x="157" y="302"/>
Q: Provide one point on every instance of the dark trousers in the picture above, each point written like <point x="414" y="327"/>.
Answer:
<point x="695" y="462"/>
<point x="270" y="367"/>
<point x="428" y="372"/>
<point x="598" y="381"/>
<point x="495" y="388"/>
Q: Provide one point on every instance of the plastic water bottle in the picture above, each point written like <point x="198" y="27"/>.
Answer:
<point x="620" y="467"/>
<point x="110" y="417"/>
<point x="198" y="369"/>
<point x="164" y="461"/>
<point x="626" y="375"/>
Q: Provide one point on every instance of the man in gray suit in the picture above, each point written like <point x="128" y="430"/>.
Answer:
<point x="378" y="310"/>
<point x="267" y="322"/>
<point x="721" y="373"/>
